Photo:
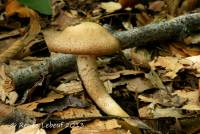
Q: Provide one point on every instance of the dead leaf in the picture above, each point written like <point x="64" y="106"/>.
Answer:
<point x="33" y="105"/>
<point x="143" y="19"/>
<point x="7" y="93"/>
<point x="171" y="65"/>
<point x="91" y="111"/>
<point x="71" y="87"/>
<point x="110" y="7"/>
<point x="65" y="19"/>
<point x="139" y="85"/>
<point x="162" y="97"/>
<point x="172" y="6"/>
<point x="155" y="79"/>
<point x="156" y="5"/>
<point x="101" y="127"/>
<point x="63" y="103"/>
<point x="111" y="76"/>
<point x="192" y="99"/>
<point x="152" y="111"/>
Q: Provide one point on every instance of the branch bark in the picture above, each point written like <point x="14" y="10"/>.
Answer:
<point x="55" y="65"/>
<point x="177" y="28"/>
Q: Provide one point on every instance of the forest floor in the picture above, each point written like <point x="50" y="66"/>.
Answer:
<point x="99" y="66"/>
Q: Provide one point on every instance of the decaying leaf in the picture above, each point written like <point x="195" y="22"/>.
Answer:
<point x="192" y="99"/>
<point x="111" y="76"/>
<point x="110" y="6"/>
<point x="70" y="87"/>
<point x="153" y="111"/>
<point x="172" y="6"/>
<point x="7" y="93"/>
<point x="172" y="65"/>
<point x="139" y="85"/>
<point x="91" y="111"/>
<point x="156" y="5"/>
<point x="33" y="105"/>
<point x="65" y="19"/>
<point x="61" y="104"/>
<point x="155" y="79"/>
<point x="164" y="98"/>
<point x="101" y="127"/>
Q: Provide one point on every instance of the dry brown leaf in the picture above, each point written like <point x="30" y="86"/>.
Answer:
<point x="32" y="129"/>
<point x="70" y="87"/>
<point x="139" y="85"/>
<point x="7" y="129"/>
<point x="143" y="19"/>
<point x="163" y="98"/>
<point x="111" y="76"/>
<point x="172" y="65"/>
<point x="65" y="19"/>
<point x="195" y="64"/>
<point x="192" y="99"/>
<point x="110" y="7"/>
<point x="140" y="57"/>
<point x="7" y="93"/>
<point x="172" y="6"/>
<point x="176" y="50"/>
<point x="101" y="127"/>
<point x="91" y="111"/>
<point x="33" y="105"/>
<point x="156" y="5"/>
<point x="152" y="111"/>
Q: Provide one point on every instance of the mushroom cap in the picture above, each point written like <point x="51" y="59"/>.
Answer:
<point x="87" y="38"/>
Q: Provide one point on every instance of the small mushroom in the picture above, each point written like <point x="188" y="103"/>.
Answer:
<point x="89" y="40"/>
<point x="86" y="38"/>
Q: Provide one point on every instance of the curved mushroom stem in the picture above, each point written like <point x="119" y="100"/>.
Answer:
<point x="87" y="68"/>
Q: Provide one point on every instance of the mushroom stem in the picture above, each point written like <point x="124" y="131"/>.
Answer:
<point x="177" y="28"/>
<point x="87" y="68"/>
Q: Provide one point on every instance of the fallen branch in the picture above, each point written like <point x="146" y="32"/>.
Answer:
<point x="54" y="65"/>
<point x="177" y="28"/>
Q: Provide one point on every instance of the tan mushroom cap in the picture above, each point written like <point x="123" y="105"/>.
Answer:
<point x="87" y="38"/>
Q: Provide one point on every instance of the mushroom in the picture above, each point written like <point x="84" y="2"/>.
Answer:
<point x="89" y="40"/>
<point x="86" y="38"/>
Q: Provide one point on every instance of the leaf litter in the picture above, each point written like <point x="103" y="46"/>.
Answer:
<point x="156" y="84"/>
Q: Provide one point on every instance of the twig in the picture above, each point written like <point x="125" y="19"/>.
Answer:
<point x="177" y="28"/>
<point x="54" y="65"/>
